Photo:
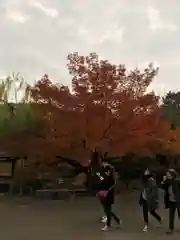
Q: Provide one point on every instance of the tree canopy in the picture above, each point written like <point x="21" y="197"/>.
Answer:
<point x="107" y="108"/>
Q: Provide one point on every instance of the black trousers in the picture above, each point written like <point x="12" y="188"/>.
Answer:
<point x="166" y="200"/>
<point x="146" y="211"/>
<point x="107" y="206"/>
<point x="173" y="207"/>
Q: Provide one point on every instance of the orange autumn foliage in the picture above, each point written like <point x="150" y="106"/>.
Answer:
<point x="108" y="109"/>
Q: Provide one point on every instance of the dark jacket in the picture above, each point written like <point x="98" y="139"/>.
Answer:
<point x="93" y="181"/>
<point x="108" y="183"/>
<point x="152" y="193"/>
<point x="175" y="183"/>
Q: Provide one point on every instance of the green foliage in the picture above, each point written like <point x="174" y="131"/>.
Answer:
<point x="17" y="117"/>
<point x="171" y="108"/>
<point x="24" y="119"/>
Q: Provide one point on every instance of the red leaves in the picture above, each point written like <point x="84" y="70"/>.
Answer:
<point x="107" y="109"/>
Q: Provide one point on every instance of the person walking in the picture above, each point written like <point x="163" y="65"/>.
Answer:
<point x="104" y="218"/>
<point x="149" y="199"/>
<point x="171" y="185"/>
<point x="106" y="193"/>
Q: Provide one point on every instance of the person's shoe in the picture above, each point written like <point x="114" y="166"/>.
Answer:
<point x="169" y="232"/>
<point x="159" y="225"/>
<point x="105" y="228"/>
<point x="119" y="223"/>
<point x="145" y="229"/>
<point x="104" y="219"/>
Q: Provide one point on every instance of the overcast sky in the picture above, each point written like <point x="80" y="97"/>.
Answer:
<point x="37" y="35"/>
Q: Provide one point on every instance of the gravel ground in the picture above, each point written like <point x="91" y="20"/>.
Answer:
<point x="30" y="219"/>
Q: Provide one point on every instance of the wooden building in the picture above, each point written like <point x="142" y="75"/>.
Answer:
<point x="7" y="167"/>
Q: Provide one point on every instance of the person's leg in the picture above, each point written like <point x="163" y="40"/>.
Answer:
<point x="145" y="215"/>
<point x="103" y="218"/>
<point x="172" y="210"/>
<point x="107" y="210"/>
<point x="108" y="213"/>
<point x="166" y="198"/>
<point x="115" y="218"/>
<point x="155" y="215"/>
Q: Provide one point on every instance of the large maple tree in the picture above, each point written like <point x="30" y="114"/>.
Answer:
<point x="107" y="109"/>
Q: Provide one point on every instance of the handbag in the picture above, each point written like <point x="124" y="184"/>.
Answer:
<point x="102" y="193"/>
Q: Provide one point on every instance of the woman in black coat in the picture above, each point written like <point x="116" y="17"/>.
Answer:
<point x="149" y="199"/>
<point x="171" y="185"/>
<point x="106" y="193"/>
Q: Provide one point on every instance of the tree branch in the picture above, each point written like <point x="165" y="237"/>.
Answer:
<point x="79" y="168"/>
<point x="106" y="130"/>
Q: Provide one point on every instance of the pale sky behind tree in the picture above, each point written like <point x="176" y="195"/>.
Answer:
<point x="37" y="35"/>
